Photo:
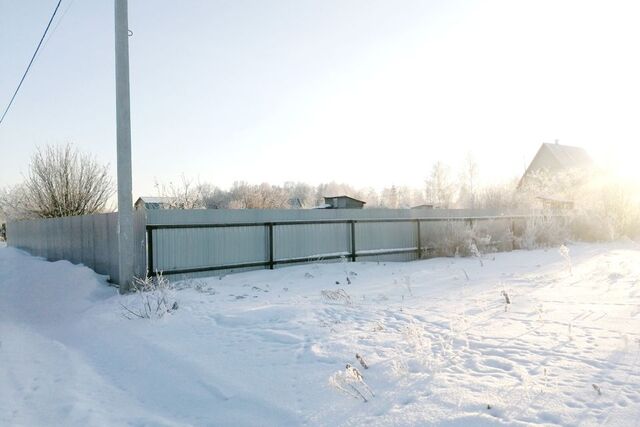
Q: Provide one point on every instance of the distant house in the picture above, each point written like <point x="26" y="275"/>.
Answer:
<point x="555" y="158"/>
<point x="341" y="202"/>
<point x="153" y="203"/>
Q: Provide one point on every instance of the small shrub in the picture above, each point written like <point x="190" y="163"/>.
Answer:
<point x="591" y="227"/>
<point x="542" y="231"/>
<point x="154" y="297"/>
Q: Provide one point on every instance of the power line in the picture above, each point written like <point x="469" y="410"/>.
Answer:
<point x="30" y="62"/>
<point x="53" y="31"/>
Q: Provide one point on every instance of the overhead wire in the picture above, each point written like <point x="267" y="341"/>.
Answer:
<point x="53" y="15"/>
<point x="53" y="31"/>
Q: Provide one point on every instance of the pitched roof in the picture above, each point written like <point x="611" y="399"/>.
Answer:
<point x="568" y="156"/>
<point x="556" y="157"/>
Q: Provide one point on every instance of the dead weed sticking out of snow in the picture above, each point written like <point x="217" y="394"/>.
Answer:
<point x="351" y="382"/>
<point x="153" y="298"/>
<point x="339" y="296"/>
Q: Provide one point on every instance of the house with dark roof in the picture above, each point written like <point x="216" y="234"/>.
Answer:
<point x="341" y="202"/>
<point x="554" y="158"/>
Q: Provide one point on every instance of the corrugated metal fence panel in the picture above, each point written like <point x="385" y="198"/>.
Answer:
<point x="208" y="247"/>
<point x="386" y="235"/>
<point x="310" y="240"/>
<point x="101" y="249"/>
<point x="112" y="248"/>
<point x="90" y="240"/>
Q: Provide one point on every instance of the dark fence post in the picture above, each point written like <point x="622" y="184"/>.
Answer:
<point x="270" y="226"/>
<point x="513" y="233"/>
<point x="419" y="239"/>
<point x="149" y="251"/>
<point x="353" y="240"/>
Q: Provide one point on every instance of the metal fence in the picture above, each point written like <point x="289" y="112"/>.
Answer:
<point x="182" y="243"/>
<point x="191" y="243"/>
<point x="90" y="240"/>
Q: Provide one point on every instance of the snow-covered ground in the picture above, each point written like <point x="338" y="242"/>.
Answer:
<point x="271" y="347"/>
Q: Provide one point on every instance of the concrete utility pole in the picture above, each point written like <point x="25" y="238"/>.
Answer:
<point x="123" y="122"/>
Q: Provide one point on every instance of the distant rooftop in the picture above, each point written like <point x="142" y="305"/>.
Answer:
<point x="569" y="156"/>
<point x="342" y="202"/>
<point x="154" y="199"/>
<point x="556" y="157"/>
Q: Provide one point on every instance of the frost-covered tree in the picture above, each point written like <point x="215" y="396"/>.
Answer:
<point x="61" y="181"/>
<point x="390" y="197"/>
<point x="262" y="196"/>
<point x="497" y="196"/>
<point x="214" y="197"/>
<point x="182" y="195"/>
<point x="468" y="194"/>
<point x="371" y="197"/>
<point x="300" y="195"/>
<point x="13" y="204"/>
<point x="439" y="189"/>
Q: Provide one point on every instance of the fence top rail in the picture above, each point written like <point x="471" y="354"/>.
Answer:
<point x="342" y="221"/>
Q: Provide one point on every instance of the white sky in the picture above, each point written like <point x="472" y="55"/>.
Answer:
<point x="365" y="92"/>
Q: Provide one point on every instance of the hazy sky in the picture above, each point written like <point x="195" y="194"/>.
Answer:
<point x="365" y="92"/>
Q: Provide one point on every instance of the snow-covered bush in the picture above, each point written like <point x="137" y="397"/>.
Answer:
<point x="460" y="238"/>
<point x="542" y="231"/>
<point x="450" y="238"/>
<point x="153" y="298"/>
<point x="591" y="227"/>
<point x="611" y="211"/>
<point x="493" y="235"/>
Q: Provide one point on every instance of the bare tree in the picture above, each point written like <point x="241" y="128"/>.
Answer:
<point x="439" y="189"/>
<point x="300" y="195"/>
<point x="61" y="182"/>
<point x="184" y="195"/>
<point x="497" y="196"/>
<point x="214" y="197"/>
<point x="263" y="196"/>
<point x="389" y="197"/>
<point x="13" y="204"/>
<point x="468" y="183"/>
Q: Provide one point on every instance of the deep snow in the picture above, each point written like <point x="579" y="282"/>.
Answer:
<point x="260" y="348"/>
